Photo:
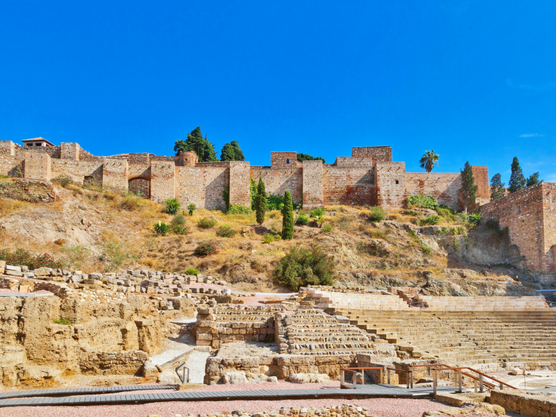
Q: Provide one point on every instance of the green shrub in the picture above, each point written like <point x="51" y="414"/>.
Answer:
<point x="206" y="248"/>
<point x="377" y="214"/>
<point x="115" y="254"/>
<point x="21" y="257"/>
<point x="427" y="250"/>
<point x="327" y="228"/>
<point x="410" y="213"/>
<point x="225" y="231"/>
<point x="191" y="208"/>
<point x="446" y="213"/>
<point x="192" y="271"/>
<point x="429" y="220"/>
<point x="178" y="225"/>
<point x="493" y="224"/>
<point x="62" y="321"/>
<point x="161" y="228"/>
<point x="302" y="220"/>
<point x="301" y="267"/>
<point x="423" y="201"/>
<point x="269" y="238"/>
<point x="318" y="212"/>
<point x="235" y="209"/>
<point x="63" y="179"/>
<point x="274" y="202"/>
<point x="75" y="254"/>
<point x="172" y="206"/>
<point x="207" y="223"/>
<point x="475" y="218"/>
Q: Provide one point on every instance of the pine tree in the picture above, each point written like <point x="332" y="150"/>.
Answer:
<point x="533" y="179"/>
<point x="287" y="214"/>
<point x="468" y="187"/>
<point x="260" y="202"/>
<point x="306" y="157"/>
<point x="195" y="142"/>
<point x="232" y="152"/>
<point x="497" y="188"/>
<point x="517" y="180"/>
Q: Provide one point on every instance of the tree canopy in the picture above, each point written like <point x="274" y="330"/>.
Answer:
<point x="260" y="202"/>
<point x="196" y="143"/>
<point x="306" y="157"/>
<point x="232" y="152"/>
<point x="517" y="180"/>
<point x="468" y="187"/>
<point x="497" y="187"/>
<point x="533" y="179"/>
<point x="429" y="160"/>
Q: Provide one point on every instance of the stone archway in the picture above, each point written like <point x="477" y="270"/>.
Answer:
<point x="140" y="186"/>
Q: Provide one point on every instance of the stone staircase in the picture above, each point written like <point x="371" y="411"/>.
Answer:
<point x="465" y="338"/>
<point x="313" y="332"/>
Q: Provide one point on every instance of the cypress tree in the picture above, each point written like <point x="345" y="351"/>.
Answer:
<point x="232" y="152"/>
<point x="468" y="187"/>
<point x="517" y="180"/>
<point x="497" y="189"/>
<point x="260" y="202"/>
<point x="287" y="214"/>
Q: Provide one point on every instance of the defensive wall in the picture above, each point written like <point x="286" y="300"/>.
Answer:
<point x="530" y="215"/>
<point x="368" y="177"/>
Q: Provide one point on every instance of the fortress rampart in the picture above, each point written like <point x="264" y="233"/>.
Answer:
<point x="368" y="177"/>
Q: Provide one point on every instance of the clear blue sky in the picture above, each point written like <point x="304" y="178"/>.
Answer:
<point x="473" y="80"/>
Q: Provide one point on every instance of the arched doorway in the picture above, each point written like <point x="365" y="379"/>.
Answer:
<point x="140" y="186"/>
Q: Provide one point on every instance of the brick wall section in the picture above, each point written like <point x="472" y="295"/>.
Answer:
<point x="190" y="190"/>
<point x="139" y="171"/>
<point x="202" y="185"/>
<point x="215" y="179"/>
<point x="313" y="190"/>
<point x="277" y="180"/>
<point x="348" y="161"/>
<point x="482" y="181"/>
<point x="70" y="150"/>
<point x="378" y="153"/>
<point x="522" y="213"/>
<point x="115" y="174"/>
<point x="444" y="187"/>
<point x="284" y="159"/>
<point x="390" y="184"/>
<point x="11" y="165"/>
<point x="37" y="166"/>
<point x="349" y="186"/>
<point x="77" y="170"/>
<point x="7" y="147"/>
<point x="163" y="180"/>
<point x="240" y="174"/>
<point x="549" y="215"/>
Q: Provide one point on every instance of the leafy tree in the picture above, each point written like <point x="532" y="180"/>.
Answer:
<point x="429" y="160"/>
<point x="517" y="180"/>
<point x="260" y="202"/>
<point x="497" y="188"/>
<point x="468" y="187"/>
<point x="287" y="214"/>
<point x="306" y="157"/>
<point x="195" y="142"/>
<point x="533" y="179"/>
<point x="232" y="152"/>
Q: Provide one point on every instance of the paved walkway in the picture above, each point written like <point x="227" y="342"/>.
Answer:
<point x="369" y="391"/>
<point x="67" y="392"/>
<point x="196" y="362"/>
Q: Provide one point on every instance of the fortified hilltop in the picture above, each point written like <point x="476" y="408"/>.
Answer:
<point x="367" y="177"/>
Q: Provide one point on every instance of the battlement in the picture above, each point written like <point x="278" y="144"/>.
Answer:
<point x="367" y="178"/>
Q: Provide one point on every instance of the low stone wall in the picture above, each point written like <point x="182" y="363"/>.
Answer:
<point x="280" y="366"/>
<point x="522" y="402"/>
<point x="235" y="324"/>
<point x="113" y="363"/>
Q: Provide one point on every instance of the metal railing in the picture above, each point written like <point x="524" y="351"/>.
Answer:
<point x="182" y="376"/>
<point x="478" y="381"/>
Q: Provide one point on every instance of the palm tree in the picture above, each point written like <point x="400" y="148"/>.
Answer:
<point x="429" y="160"/>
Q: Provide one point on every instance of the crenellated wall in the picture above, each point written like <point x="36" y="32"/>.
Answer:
<point x="367" y="178"/>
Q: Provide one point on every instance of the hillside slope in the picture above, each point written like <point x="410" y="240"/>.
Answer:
<point x="95" y="230"/>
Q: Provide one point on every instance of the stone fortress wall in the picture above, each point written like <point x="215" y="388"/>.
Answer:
<point x="368" y="177"/>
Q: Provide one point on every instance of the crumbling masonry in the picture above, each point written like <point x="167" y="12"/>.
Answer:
<point x="368" y="177"/>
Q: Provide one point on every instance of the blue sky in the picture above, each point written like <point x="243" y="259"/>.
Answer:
<point x="473" y="80"/>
